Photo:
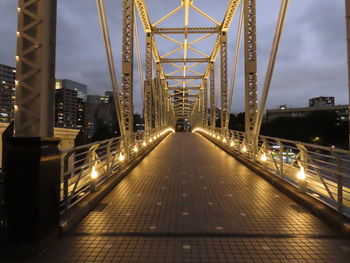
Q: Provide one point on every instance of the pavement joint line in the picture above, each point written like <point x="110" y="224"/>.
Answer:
<point x="208" y="234"/>
<point x="186" y="247"/>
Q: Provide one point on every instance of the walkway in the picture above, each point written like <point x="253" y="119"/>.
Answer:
<point x="189" y="201"/>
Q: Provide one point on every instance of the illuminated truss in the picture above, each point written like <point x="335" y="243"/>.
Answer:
<point x="184" y="64"/>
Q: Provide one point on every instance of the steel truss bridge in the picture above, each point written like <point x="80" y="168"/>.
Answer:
<point x="314" y="172"/>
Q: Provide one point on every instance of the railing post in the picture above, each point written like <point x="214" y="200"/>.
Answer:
<point x="301" y="177"/>
<point x="340" y="205"/>
<point x="281" y="149"/>
<point x="109" y="159"/>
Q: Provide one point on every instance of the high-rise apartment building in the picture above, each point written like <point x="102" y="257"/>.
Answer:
<point x="71" y="99"/>
<point x="7" y="92"/>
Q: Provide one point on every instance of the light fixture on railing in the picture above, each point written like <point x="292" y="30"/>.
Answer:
<point x="232" y="143"/>
<point x="263" y="157"/>
<point x="135" y="149"/>
<point x="121" y="157"/>
<point x="144" y="144"/>
<point x="224" y="140"/>
<point x="301" y="174"/>
<point x="154" y="137"/>
<point x="150" y="140"/>
<point x="244" y="148"/>
<point x="94" y="173"/>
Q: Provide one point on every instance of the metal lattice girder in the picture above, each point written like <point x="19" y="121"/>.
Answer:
<point x="127" y="65"/>
<point x="157" y="97"/>
<point x="147" y="107"/>
<point x="35" y="63"/>
<point x="212" y="95"/>
<point x="183" y="60"/>
<point x="185" y="77"/>
<point x="223" y="80"/>
<point x="229" y="15"/>
<point x="190" y="30"/>
<point x="250" y="66"/>
<point x="205" y="103"/>
<point x="142" y="10"/>
<point x="186" y="95"/>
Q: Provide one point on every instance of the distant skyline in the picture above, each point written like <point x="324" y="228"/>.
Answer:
<point x="312" y="58"/>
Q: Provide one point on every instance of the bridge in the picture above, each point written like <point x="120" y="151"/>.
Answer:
<point x="206" y="195"/>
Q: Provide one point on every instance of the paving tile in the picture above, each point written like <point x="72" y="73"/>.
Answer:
<point x="188" y="201"/>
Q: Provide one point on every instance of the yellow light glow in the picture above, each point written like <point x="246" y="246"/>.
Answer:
<point x="150" y="140"/>
<point x="17" y="58"/>
<point x="18" y="34"/>
<point x="263" y="157"/>
<point x="121" y="157"/>
<point x="232" y="144"/>
<point x="154" y="137"/>
<point x="224" y="140"/>
<point x="135" y="149"/>
<point x="94" y="173"/>
<point x="144" y="144"/>
<point x="244" y="149"/>
<point x="16" y="107"/>
<point x="301" y="174"/>
<point x="18" y="9"/>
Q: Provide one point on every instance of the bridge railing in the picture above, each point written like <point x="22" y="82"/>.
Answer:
<point x="322" y="172"/>
<point x="85" y="168"/>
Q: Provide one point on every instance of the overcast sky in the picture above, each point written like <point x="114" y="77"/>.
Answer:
<point x="311" y="61"/>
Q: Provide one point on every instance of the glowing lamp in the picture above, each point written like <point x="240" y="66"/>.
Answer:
<point x="301" y="174"/>
<point x="94" y="173"/>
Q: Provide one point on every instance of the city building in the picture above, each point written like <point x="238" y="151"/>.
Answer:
<point x="321" y="101"/>
<point x="93" y="101"/>
<point x="7" y="92"/>
<point x="318" y="104"/>
<point x="71" y="99"/>
<point x="106" y="111"/>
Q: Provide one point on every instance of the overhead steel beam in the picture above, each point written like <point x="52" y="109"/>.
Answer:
<point x="185" y="77"/>
<point x="184" y="88"/>
<point x="185" y="96"/>
<point x="182" y="60"/>
<point x="127" y="66"/>
<point x="182" y="30"/>
<point x="35" y="64"/>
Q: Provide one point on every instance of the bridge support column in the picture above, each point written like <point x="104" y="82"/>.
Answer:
<point x="32" y="193"/>
<point x="32" y="160"/>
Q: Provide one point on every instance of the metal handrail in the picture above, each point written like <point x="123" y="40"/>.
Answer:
<point x="85" y="168"/>
<point x="320" y="171"/>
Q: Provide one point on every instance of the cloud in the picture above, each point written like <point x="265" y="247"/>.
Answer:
<point x="311" y="60"/>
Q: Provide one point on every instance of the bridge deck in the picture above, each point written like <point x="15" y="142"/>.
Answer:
<point x="189" y="201"/>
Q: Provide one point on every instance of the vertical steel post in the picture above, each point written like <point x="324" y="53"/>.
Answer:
<point x="205" y="105"/>
<point x="35" y="63"/>
<point x="250" y="67"/>
<point x="157" y="93"/>
<point x="147" y="106"/>
<point x="347" y="17"/>
<point x="212" y="95"/>
<point x="223" y="80"/>
<point x="127" y="66"/>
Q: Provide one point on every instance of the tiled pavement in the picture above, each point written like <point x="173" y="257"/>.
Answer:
<point x="189" y="201"/>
